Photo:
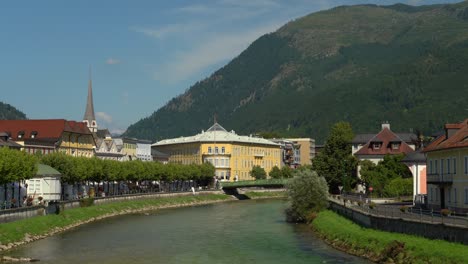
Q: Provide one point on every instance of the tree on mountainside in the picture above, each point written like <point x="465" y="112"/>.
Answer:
<point x="335" y="162"/>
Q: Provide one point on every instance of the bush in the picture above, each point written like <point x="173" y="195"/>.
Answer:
<point x="372" y="205"/>
<point x="258" y="172"/>
<point x="308" y="193"/>
<point x="86" y="202"/>
<point x="403" y="208"/>
<point x="359" y="203"/>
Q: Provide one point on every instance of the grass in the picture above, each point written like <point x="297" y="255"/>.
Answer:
<point x="41" y="225"/>
<point x="271" y="182"/>
<point x="254" y="195"/>
<point x="380" y="246"/>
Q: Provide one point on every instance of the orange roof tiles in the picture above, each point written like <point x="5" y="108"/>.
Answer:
<point x="45" y="129"/>
<point x="459" y="139"/>
<point x="385" y="137"/>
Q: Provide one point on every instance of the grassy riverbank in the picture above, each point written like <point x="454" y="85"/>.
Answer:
<point x="385" y="247"/>
<point x="24" y="231"/>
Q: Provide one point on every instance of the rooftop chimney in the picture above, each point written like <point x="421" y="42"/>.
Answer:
<point x="385" y="124"/>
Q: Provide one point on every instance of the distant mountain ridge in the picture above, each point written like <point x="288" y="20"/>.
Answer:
<point x="8" y="112"/>
<point x="362" y="64"/>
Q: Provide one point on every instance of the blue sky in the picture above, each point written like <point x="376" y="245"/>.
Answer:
<point x="142" y="53"/>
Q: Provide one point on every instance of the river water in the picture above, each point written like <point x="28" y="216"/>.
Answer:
<point x="252" y="231"/>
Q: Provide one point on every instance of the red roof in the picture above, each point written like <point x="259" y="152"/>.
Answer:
<point x="459" y="138"/>
<point x="44" y="129"/>
<point x="385" y="138"/>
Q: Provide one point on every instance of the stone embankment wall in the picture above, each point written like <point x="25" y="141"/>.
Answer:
<point x="10" y="215"/>
<point x="423" y="229"/>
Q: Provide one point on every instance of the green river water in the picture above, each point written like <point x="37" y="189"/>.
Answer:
<point x="252" y="231"/>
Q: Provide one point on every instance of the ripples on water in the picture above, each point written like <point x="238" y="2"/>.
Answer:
<point x="233" y="232"/>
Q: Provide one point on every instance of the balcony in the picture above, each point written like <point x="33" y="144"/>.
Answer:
<point x="216" y="154"/>
<point x="436" y="178"/>
<point x="259" y="154"/>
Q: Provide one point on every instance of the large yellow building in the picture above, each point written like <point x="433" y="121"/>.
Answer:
<point x="232" y="155"/>
<point x="447" y="160"/>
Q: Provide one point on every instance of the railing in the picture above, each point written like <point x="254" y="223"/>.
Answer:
<point x="405" y="213"/>
<point x="437" y="178"/>
<point x="216" y="154"/>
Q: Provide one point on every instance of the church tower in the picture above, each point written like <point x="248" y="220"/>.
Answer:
<point x="89" y="117"/>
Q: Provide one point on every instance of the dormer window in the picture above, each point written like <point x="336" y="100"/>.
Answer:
<point x="376" y="145"/>
<point x="21" y="134"/>
<point x="34" y="134"/>
<point x="396" y="145"/>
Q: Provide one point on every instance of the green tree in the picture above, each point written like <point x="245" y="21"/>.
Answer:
<point x="286" y="172"/>
<point x="275" y="173"/>
<point x="258" y="172"/>
<point x="308" y="193"/>
<point x="335" y="162"/>
<point x="389" y="170"/>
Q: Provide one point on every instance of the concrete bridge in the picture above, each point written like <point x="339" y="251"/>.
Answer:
<point x="272" y="183"/>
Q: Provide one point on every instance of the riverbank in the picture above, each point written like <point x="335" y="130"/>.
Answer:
<point x="25" y="231"/>
<point x="385" y="247"/>
<point x="265" y="194"/>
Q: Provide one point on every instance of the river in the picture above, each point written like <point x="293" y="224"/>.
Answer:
<point x="251" y="231"/>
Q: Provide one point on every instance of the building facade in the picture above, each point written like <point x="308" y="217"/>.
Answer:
<point x="447" y="159"/>
<point x="307" y="149"/>
<point x="143" y="150"/>
<point x="51" y="135"/>
<point x="232" y="155"/>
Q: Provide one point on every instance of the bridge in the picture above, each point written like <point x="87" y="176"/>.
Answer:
<point x="271" y="183"/>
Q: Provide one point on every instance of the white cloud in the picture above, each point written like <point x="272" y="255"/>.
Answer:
<point x="112" y="61"/>
<point x="102" y="116"/>
<point x="215" y="49"/>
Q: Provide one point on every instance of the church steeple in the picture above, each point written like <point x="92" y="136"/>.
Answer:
<point x="89" y="117"/>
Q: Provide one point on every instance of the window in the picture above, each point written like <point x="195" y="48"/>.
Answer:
<point x="466" y="165"/>
<point x="396" y="145"/>
<point x="448" y="166"/>
<point x="441" y="166"/>
<point x="209" y="150"/>
<point x="454" y="165"/>
<point x="455" y="195"/>
<point x="431" y="168"/>
<point x="466" y="196"/>
<point x="223" y="150"/>
<point x="432" y="195"/>
<point x="376" y="145"/>
<point x="436" y="169"/>
<point x="216" y="150"/>
<point x="449" y="195"/>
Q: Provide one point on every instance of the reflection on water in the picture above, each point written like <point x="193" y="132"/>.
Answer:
<point x="234" y="232"/>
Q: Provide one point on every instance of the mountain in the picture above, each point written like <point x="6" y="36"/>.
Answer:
<point x="362" y="64"/>
<point x="8" y="112"/>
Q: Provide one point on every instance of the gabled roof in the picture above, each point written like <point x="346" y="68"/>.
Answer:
<point x="45" y="170"/>
<point x="43" y="129"/>
<point x="216" y="133"/>
<point x="385" y="137"/>
<point x="458" y="139"/>
<point x="364" y="138"/>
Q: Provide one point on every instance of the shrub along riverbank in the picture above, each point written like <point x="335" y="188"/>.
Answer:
<point x="24" y="231"/>
<point x="385" y="247"/>
<point x="265" y="195"/>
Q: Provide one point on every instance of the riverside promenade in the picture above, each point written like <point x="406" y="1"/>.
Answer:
<point x="394" y="219"/>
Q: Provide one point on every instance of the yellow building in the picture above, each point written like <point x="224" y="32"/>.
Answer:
<point x="232" y="155"/>
<point x="51" y="135"/>
<point x="447" y="160"/>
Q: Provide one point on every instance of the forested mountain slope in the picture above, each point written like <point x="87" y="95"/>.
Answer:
<point x="9" y="112"/>
<point x="361" y="64"/>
